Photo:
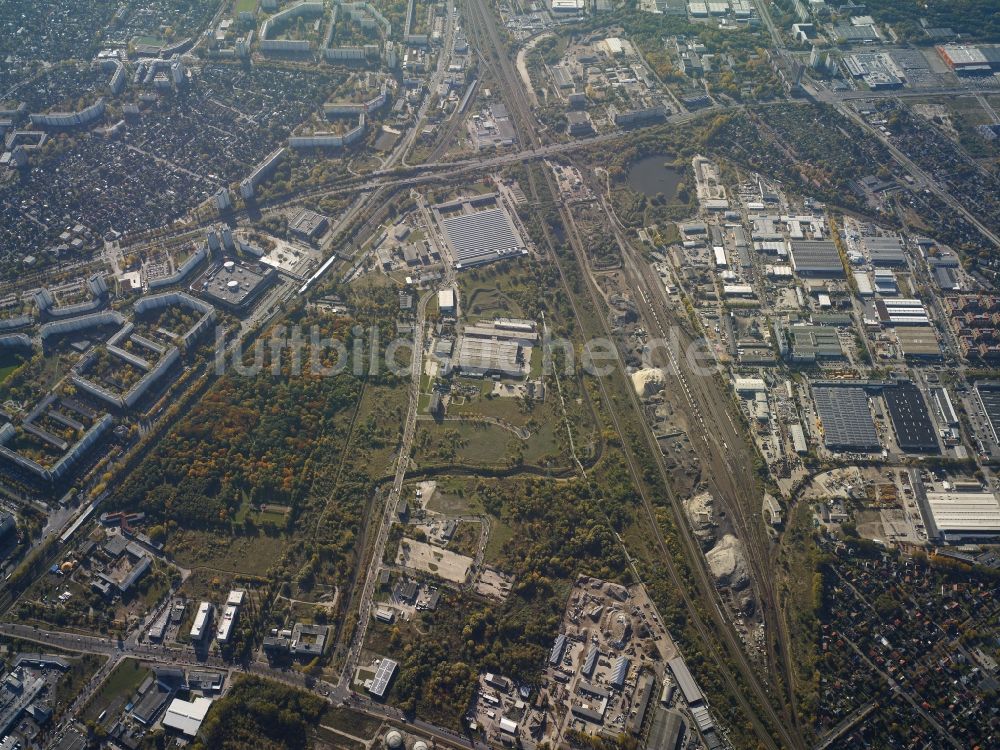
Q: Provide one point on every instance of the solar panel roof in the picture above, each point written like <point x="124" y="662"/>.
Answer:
<point x="386" y="668"/>
<point x="482" y="237"/>
<point x="847" y="420"/>
<point x="817" y="258"/>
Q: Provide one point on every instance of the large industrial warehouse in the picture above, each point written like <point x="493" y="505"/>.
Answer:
<point x="477" y="237"/>
<point x="886" y="252"/>
<point x="816" y="258"/>
<point x="989" y="396"/>
<point x="910" y="420"/>
<point x="846" y="418"/>
<point x="963" y="515"/>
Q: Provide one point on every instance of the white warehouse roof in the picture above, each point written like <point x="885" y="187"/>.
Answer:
<point x="958" y="514"/>
<point x="749" y="385"/>
<point x="186" y="716"/>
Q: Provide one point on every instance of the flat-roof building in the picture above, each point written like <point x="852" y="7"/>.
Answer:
<point x="798" y="437"/>
<point x="667" y="731"/>
<point x="186" y="716"/>
<point x="988" y="393"/>
<point x="619" y="672"/>
<point x="918" y="342"/>
<point x="816" y="258"/>
<point x="308" y="224"/>
<point x="810" y="343"/>
<point x="201" y="621"/>
<point x="885" y="252"/>
<point x="587" y="713"/>
<point x="967" y="59"/>
<point x="507" y="726"/>
<point x="910" y="420"/>
<point x="446" y="301"/>
<point x="481" y="237"/>
<point x="226" y="623"/>
<point x="558" y="648"/>
<point x="901" y="311"/>
<point x="689" y="688"/>
<point x="846" y="419"/>
<point x="964" y="515"/>
<point x="864" y="284"/>
<point x="483" y="357"/>
<point x="383" y="674"/>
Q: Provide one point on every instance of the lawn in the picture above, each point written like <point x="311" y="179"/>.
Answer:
<point x="8" y="364"/>
<point x="245" y="6"/>
<point x="147" y="39"/>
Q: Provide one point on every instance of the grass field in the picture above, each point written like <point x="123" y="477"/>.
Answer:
<point x="463" y="443"/>
<point x="351" y="722"/>
<point x="252" y="555"/>
<point x="500" y="533"/>
<point x="543" y="445"/>
<point x="465" y="540"/>
<point x="244" y="6"/>
<point x="328" y="738"/>
<point x="796" y="571"/>
<point x="117" y="690"/>
<point x="508" y="409"/>
<point x="455" y="497"/>
<point x="542" y="421"/>
<point x="488" y="293"/>
<point x="489" y="302"/>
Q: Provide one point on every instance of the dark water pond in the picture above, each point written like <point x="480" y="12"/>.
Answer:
<point x="653" y="175"/>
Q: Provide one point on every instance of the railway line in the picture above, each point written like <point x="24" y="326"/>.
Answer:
<point x="707" y="593"/>
<point x="492" y="50"/>
<point x="722" y="447"/>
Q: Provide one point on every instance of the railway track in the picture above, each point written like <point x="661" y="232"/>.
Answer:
<point x="724" y="448"/>
<point x="707" y="593"/>
<point x="492" y="50"/>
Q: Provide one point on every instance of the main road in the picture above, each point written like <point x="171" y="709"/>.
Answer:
<point x="391" y="501"/>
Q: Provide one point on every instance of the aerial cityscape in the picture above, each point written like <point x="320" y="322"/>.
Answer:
<point x="440" y="374"/>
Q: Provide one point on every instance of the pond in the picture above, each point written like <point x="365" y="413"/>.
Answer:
<point x="653" y="175"/>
